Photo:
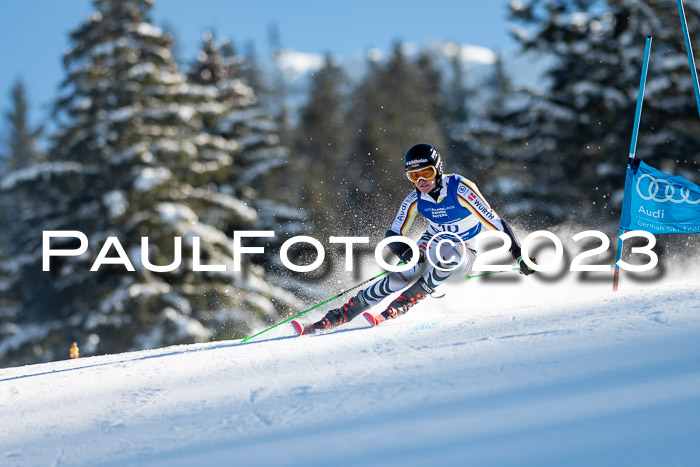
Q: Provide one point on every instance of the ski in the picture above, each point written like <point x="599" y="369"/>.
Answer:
<point x="303" y="329"/>
<point x="307" y="329"/>
<point x="373" y="319"/>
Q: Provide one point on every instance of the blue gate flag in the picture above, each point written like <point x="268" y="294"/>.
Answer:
<point x="659" y="203"/>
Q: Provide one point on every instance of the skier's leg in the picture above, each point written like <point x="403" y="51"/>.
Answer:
<point x="452" y="260"/>
<point x="448" y="262"/>
<point x="394" y="282"/>
<point x="368" y="297"/>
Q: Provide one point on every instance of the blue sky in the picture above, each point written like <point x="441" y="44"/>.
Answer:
<point x="34" y="33"/>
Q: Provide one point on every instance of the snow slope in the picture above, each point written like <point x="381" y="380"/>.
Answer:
<point x="496" y="373"/>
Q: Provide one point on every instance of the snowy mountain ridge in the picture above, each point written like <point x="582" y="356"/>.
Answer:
<point x="296" y="68"/>
<point x="296" y="64"/>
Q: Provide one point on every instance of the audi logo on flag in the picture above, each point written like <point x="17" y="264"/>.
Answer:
<point x="668" y="194"/>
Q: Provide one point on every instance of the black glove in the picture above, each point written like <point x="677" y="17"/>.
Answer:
<point x="402" y="250"/>
<point x="405" y="253"/>
<point x="524" y="268"/>
<point x="407" y="256"/>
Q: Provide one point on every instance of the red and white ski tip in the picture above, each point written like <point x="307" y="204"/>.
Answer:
<point x="371" y="318"/>
<point x="303" y="329"/>
<point x="297" y="328"/>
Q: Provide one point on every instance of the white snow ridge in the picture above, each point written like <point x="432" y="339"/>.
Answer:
<point x="519" y="372"/>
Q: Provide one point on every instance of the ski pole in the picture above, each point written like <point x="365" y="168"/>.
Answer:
<point x="316" y="306"/>
<point x="489" y="273"/>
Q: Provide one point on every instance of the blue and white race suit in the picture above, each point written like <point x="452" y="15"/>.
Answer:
<point x="459" y="214"/>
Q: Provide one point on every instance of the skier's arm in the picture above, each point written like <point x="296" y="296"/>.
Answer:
<point x="405" y="215"/>
<point x="514" y="242"/>
<point x="470" y="197"/>
<point x="403" y="220"/>
<point x="515" y="249"/>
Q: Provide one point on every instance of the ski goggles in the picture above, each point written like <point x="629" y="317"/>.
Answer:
<point x="426" y="173"/>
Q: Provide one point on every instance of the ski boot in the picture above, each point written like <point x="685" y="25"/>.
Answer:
<point x="342" y="315"/>
<point x="409" y="297"/>
<point x="334" y="318"/>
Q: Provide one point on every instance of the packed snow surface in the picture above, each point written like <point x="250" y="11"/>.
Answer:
<point x="497" y="372"/>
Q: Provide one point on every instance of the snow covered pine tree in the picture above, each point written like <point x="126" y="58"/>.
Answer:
<point x="132" y="159"/>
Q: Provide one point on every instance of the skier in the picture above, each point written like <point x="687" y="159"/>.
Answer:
<point x="455" y="210"/>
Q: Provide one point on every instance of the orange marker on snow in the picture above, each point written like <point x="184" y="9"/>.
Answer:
<point x="74" y="350"/>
